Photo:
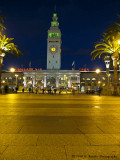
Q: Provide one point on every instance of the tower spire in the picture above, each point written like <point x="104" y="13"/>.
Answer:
<point x="55" y="8"/>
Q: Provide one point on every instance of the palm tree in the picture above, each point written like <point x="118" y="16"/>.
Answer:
<point x="108" y="47"/>
<point x="113" y="30"/>
<point x="7" y="47"/>
<point x="2" y="27"/>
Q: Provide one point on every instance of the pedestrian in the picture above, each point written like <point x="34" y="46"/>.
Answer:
<point x="50" y="90"/>
<point x="36" y="90"/>
<point x="29" y="90"/>
<point x="23" y="90"/>
<point x="16" y="89"/>
<point x="43" y="90"/>
<point x="6" y="89"/>
<point x="60" y="91"/>
<point x="99" y="91"/>
<point x="73" y="91"/>
<point x="55" y="90"/>
<point x="12" y="89"/>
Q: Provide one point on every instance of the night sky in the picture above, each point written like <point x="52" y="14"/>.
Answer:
<point x="82" y="23"/>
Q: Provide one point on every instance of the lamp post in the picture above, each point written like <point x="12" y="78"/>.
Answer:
<point x="12" y="70"/>
<point x="1" y="61"/>
<point x="97" y="71"/>
<point x="107" y="64"/>
<point x="119" y="68"/>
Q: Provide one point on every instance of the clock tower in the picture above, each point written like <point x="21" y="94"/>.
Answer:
<point x="54" y="45"/>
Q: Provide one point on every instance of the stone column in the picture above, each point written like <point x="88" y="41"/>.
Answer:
<point x="78" y="79"/>
<point x="57" y="81"/>
<point x="45" y="80"/>
<point x="69" y="82"/>
<point x="25" y="81"/>
<point x="33" y="80"/>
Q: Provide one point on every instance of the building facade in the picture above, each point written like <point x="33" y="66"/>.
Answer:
<point x="54" y="76"/>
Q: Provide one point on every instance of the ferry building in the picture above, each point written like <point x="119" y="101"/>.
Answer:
<point x="53" y="76"/>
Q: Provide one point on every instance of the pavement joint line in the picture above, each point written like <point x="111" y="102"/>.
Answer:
<point x="37" y="140"/>
<point x="88" y="139"/>
<point x="65" y="152"/>
<point x="110" y="145"/>
<point x="5" y="149"/>
<point x="80" y="131"/>
<point x="100" y="129"/>
<point x="20" y="129"/>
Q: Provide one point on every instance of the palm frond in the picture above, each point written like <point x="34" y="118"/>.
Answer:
<point x="7" y="46"/>
<point x="2" y="18"/>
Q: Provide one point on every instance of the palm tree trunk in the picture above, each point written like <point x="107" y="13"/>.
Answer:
<point x="115" y="77"/>
<point x="1" y="58"/>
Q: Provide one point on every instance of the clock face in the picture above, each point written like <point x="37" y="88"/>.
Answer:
<point x="53" y="49"/>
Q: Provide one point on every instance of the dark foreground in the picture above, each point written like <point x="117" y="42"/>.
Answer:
<point x="59" y="127"/>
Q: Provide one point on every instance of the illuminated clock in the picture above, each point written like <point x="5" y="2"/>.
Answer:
<point x="53" y="49"/>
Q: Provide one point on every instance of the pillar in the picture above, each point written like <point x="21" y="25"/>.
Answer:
<point x="78" y="79"/>
<point x="33" y="80"/>
<point x="57" y="81"/>
<point x="45" y="80"/>
<point x="25" y="81"/>
<point x="69" y="82"/>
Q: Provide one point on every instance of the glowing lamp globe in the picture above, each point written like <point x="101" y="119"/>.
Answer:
<point x="12" y="69"/>
<point x="97" y="71"/>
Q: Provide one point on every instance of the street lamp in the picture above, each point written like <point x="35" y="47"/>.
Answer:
<point x="99" y="82"/>
<point x="118" y="41"/>
<point x="97" y="71"/>
<point x="12" y="69"/>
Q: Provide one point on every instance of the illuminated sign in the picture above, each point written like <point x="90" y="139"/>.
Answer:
<point x="28" y="69"/>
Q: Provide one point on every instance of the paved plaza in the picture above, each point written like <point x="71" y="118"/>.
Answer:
<point x="59" y="127"/>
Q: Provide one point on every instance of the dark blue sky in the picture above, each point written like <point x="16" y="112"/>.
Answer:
<point x="81" y="22"/>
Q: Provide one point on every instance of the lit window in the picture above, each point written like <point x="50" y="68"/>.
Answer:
<point x="83" y="79"/>
<point x="57" y="34"/>
<point x="53" y="24"/>
<point x="93" y="79"/>
<point x="53" y="35"/>
<point x="103" y="78"/>
<point x="88" y="79"/>
<point x="50" y="35"/>
<point x="74" y="78"/>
